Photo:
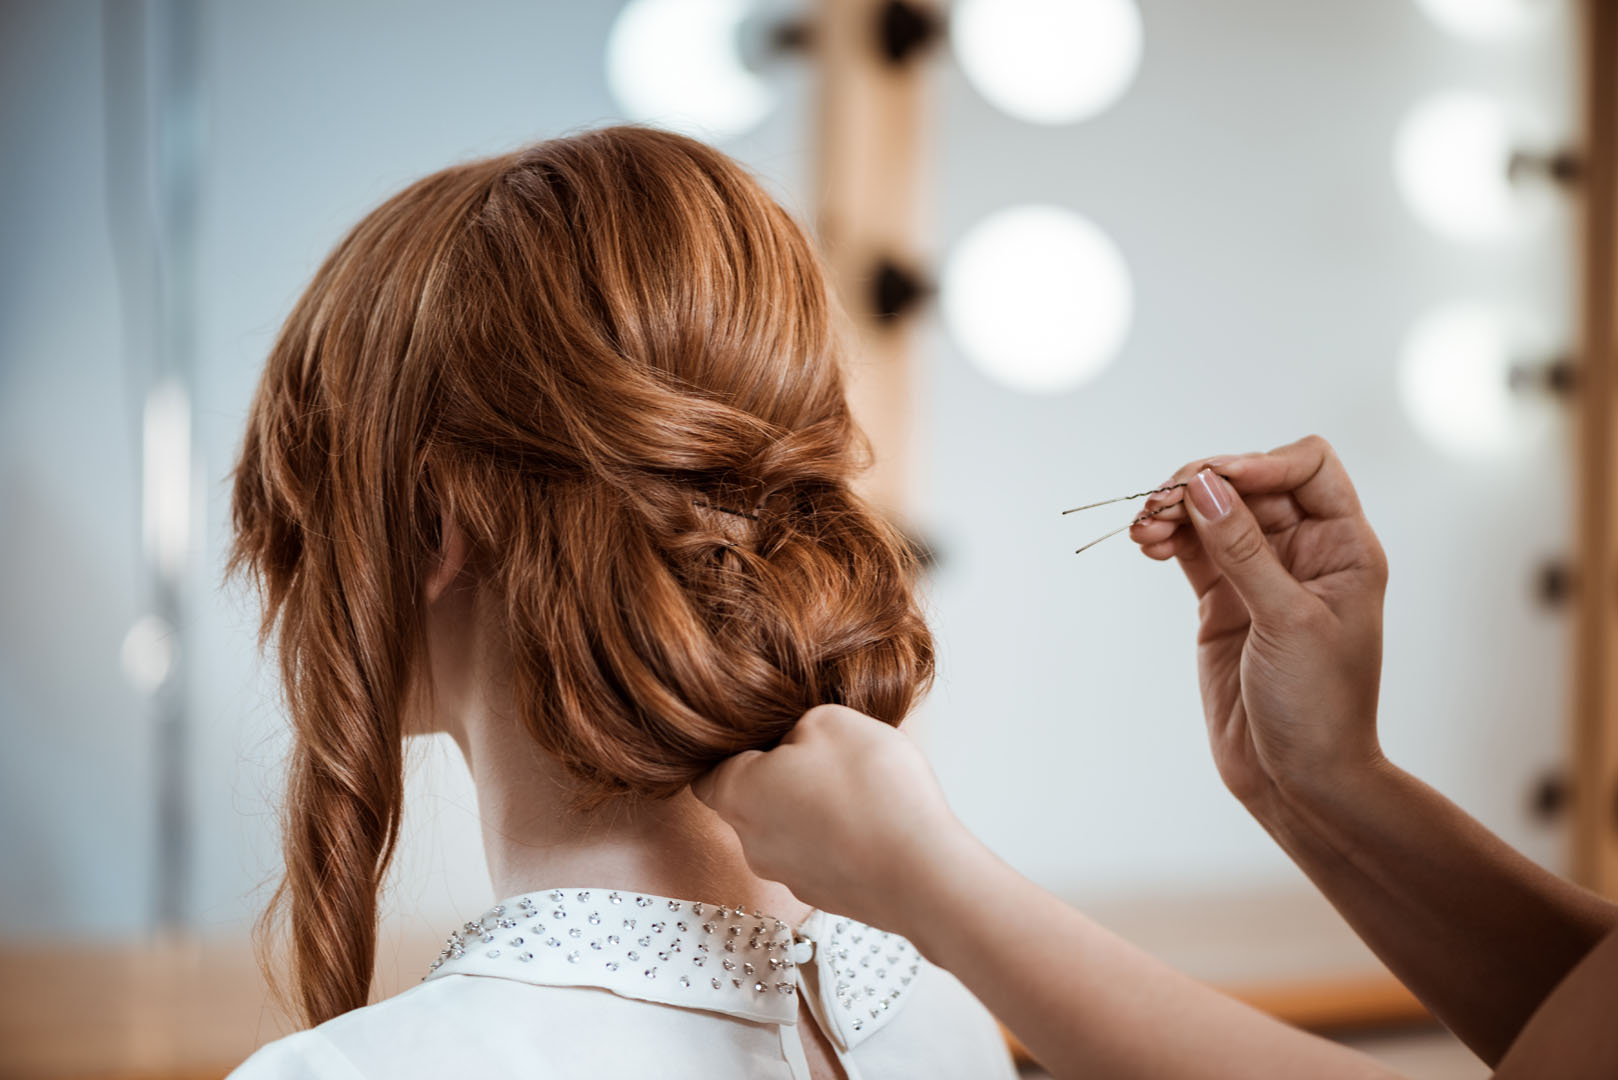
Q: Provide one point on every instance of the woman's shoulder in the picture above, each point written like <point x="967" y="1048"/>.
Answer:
<point x="303" y="1055"/>
<point x="398" y="1036"/>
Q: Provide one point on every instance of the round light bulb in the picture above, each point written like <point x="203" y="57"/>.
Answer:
<point x="678" y="64"/>
<point x="1454" y="381"/>
<point x="147" y="654"/>
<point x="1481" y="19"/>
<point x="1037" y="297"/>
<point x="1451" y="160"/>
<point x="1048" y="61"/>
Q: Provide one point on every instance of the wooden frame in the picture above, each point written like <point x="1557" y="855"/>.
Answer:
<point x="870" y="163"/>
<point x="1594" y="758"/>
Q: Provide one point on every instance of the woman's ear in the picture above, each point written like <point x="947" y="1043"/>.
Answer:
<point x="453" y="550"/>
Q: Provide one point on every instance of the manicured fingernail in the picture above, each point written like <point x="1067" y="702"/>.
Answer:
<point x="1210" y="493"/>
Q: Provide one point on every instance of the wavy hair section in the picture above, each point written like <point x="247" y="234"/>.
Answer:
<point x="610" y="358"/>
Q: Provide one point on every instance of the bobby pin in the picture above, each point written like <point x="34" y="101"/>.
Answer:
<point x="728" y="510"/>
<point x="1124" y="498"/>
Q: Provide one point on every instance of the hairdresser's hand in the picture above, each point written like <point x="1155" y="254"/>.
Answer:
<point x="1290" y="580"/>
<point x="845" y="812"/>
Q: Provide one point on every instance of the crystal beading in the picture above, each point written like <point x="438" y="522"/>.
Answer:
<point x="864" y="972"/>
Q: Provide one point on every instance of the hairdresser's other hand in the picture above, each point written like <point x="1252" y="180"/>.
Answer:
<point x="845" y="812"/>
<point x="1290" y="580"/>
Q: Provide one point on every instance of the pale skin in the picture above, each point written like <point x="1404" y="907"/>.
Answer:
<point x="1289" y="579"/>
<point x="531" y="837"/>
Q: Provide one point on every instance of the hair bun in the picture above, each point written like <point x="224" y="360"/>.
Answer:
<point x="611" y="358"/>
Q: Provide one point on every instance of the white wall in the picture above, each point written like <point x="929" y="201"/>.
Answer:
<point x="75" y="763"/>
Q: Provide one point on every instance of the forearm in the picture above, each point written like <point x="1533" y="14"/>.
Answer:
<point x="1085" y="1002"/>
<point x="1476" y="930"/>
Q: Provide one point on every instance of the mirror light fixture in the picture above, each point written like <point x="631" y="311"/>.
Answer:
<point x="1455" y="159"/>
<point x="166" y="478"/>
<point x="1037" y="297"/>
<point x="1048" y="61"/>
<point x="678" y="64"/>
<point x="147" y="653"/>
<point x="1482" y="20"/>
<point x="1458" y="378"/>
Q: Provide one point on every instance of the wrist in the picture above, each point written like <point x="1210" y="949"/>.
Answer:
<point x="1347" y="778"/>
<point x="1324" y="803"/>
<point x="929" y="882"/>
<point x="1322" y="770"/>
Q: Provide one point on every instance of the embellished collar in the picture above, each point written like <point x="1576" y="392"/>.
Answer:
<point x="697" y="955"/>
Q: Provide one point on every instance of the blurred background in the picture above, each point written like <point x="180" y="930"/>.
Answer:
<point x="1079" y="242"/>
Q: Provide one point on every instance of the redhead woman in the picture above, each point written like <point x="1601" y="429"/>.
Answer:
<point x="554" y="456"/>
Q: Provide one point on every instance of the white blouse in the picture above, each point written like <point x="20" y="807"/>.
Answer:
<point x="602" y="983"/>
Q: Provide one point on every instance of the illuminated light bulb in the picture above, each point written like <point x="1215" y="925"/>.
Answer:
<point x="166" y="477"/>
<point x="1481" y="19"/>
<point x="678" y="64"/>
<point x="1038" y="298"/>
<point x="147" y="654"/>
<point x="1451" y="158"/>
<point x="1455" y="382"/>
<point x="1048" y="61"/>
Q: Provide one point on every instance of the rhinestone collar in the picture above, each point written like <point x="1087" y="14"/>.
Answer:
<point x="693" y="954"/>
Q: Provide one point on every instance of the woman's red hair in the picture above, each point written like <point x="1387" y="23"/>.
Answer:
<point x="610" y="360"/>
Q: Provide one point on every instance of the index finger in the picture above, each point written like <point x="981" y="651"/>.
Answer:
<point x="716" y="786"/>
<point x="1308" y="470"/>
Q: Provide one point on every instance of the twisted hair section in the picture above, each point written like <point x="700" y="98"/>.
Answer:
<point x="610" y="359"/>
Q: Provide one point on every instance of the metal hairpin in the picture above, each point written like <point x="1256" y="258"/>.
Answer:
<point x="1138" y="518"/>
<point x="730" y="510"/>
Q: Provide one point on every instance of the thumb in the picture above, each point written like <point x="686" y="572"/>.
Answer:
<point x="1232" y="538"/>
<point x="711" y="787"/>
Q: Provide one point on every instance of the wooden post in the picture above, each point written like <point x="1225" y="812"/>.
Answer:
<point x="1594" y="767"/>
<point x="870" y="160"/>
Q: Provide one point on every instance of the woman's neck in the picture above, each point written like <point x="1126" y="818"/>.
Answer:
<point x="533" y="839"/>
